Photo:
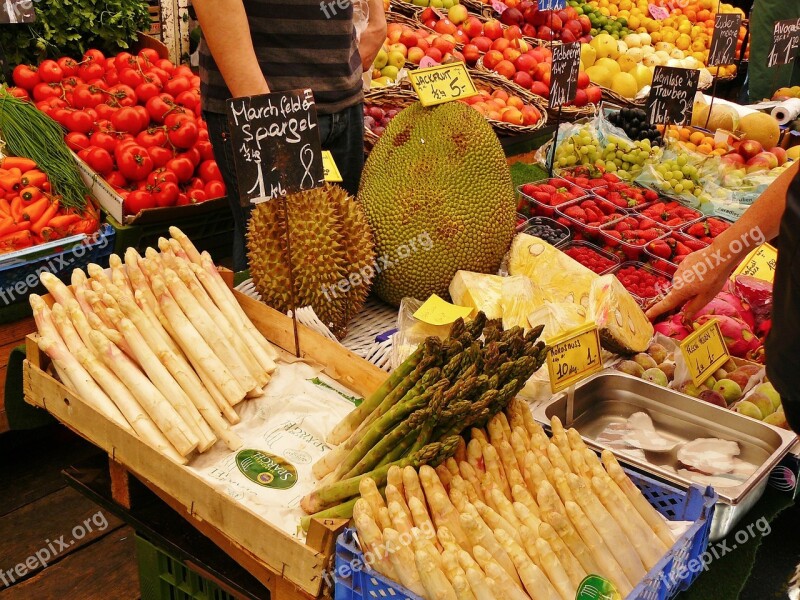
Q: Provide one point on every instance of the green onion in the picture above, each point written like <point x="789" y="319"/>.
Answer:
<point x="30" y="133"/>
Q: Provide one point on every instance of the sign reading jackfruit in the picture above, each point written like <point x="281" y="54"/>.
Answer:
<point x="436" y="311"/>
<point x="760" y="263"/>
<point x="705" y="351"/>
<point x="442" y="83"/>
<point x="574" y="356"/>
<point x="564" y="73"/>
<point x="723" y="40"/>
<point x="672" y="96"/>
<point x="276" y="145"/>
<point x="329" y="169"/>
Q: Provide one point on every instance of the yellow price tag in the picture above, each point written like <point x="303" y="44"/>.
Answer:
<point x="442" y="83"/>
<point x="760" y="263"/>
<point x="574" y="356"/>
<point x="329" y="169"/>
<point x="436" y="311"/>
<point x="705" y="351"/>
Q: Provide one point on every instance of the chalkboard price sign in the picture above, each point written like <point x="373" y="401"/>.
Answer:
<point x="564" y="73"/>
<point x="672" y="96"/>
<point x="785" y="42"/>
<point x="723" y="41"/>
<point x="551" y="4"/>
<point x="276" y="145"/>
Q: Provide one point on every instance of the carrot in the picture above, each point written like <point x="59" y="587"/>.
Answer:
<point x="5" y="207"/>
<point x="62" y="221"/>
<point x="16" y="209"/>
<point x="49" y="234"/>
<point x="17" y="162"/>
<point x="44" y="220"/>
<point x="10" y="182"/>
<point x="30" y="194"/>
<point x="35" y="210"/>
<point x="6" y="226"/>
<point x="86" y="226"/>
<point x="34" y="177"/>
<point x="16" y="240"/>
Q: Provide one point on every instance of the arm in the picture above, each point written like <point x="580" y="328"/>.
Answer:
<point x="703" y="273"/>
<point x="374" y="35"/>
<point x="227" y="33"/>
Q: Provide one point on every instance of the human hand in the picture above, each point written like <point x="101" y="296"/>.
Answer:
<point x="698" y="279"/>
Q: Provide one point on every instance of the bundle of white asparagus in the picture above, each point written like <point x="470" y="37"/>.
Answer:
<point x="159" y="345"/>
<point x="514" y="515"/>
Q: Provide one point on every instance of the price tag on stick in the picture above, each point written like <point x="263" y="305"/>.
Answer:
<point x="672" y="96"/>
<point x="276" y="147"/>
<point x="329" y="168"/>
<point x="574" y="356"/>
<point x="442" y="83"/>
<point x="564" y="73"/>
<point x="785" y="42"/>
<point x="552" y="4"/>
<point x="724" y="38"/>
<point x="760" y="263"/>
<point x="705" y="351"/>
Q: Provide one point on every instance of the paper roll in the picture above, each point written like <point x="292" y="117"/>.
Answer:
<point x="786" y="111"/>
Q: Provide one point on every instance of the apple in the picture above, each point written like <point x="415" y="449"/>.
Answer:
<point x="529" y="14"/>
<point x="458" y="56"/>
<point x="472" y="27"/>
<point x="434" y="54"/>
<point x="415" y="55"/>
<point x="581" y="98"/>
<point x="523" y="79"/>
<point x="583" y="81"/>
<point x="512" y="115"/>
<point x="457" y="13"/>
<point x="423" y="44"/>
<point x="734" y="159"/>
<point x="530" y="116"/>
<point x="567" y="36"/>
<point x="381" y="59"/>
<point x="762" y="161"/>
<point x="544" y="33"/>
<point x="540" y="17"/>
<point x="594" y="93"/>
<point x="540" y="89"/>
<point x="493" y="29"/>
<point x="520" y="45"/>
<point x="511" y="54"/>
<point x="555" y="23"/>
<point x="397" y="58"/>
<point x="427" y="14"/>
<point x="483" y="43"/>
<point x="575" y="27"/>
<point x="780" y="154"/>
<point x="512" y="16"/>
<point x="529" y="30"/>
<point x="513" y="32"/>
<point x="515" y="101"/>
<point x="492" y="58"/>
<point x="501" y="44"/>
<point x="408" y="38"/>
<point x="444" y="46"/>
<point x="445" y="26"/>
<point x="525" y="62"/>
<point x="586" y="24"/>
<point x="471" y="54"/>
<point x="750" y="148"/>
<point x="505" y="68"/>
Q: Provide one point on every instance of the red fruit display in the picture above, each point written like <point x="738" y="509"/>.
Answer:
<point x="670" y="213"/>
<point x="590" y="257"/>
<point x="674" y="247"/>
<point x="706" y="229"/>
<point x="627" y="236"/>
<point x="589" y="178"/>
<point x="642" y="281"/>
<point x="587" y="215"/>
<point x="541" y="197"/>
<point x="625" y="195"/>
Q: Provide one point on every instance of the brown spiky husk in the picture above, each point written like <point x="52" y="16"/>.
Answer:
<point x="331" y="243"/>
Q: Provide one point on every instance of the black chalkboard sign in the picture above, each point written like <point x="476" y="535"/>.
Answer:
<point x="672" y="96"/>
<point x="723" y="40"/>
<point x="564" y="73"/>
<point x="785" y="42"/>
<point x="276" y="145"/>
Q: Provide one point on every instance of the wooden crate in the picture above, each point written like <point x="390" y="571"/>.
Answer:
<point x="289" y="568"/>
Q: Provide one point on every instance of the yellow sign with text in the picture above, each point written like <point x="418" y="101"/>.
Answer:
<point x="436" y="311"/>
<point x="329" y="169"/>
<point x="705" y="351"/>
<point x="760" y="263"/>
<point x="442" y="83"/>
<point x="574" y="356"/>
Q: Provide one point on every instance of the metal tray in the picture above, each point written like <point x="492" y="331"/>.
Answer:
<point x="612" y="397"/>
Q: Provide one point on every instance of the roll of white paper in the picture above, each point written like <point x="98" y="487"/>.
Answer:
<point x="786" y="111"/>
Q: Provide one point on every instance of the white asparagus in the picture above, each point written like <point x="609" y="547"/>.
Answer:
<point x="393" y="494"/>
<point x="495" y="521"/>
<point x="97" y="273"/>
<point x="504" y="508"/>
<point x="435" y="582"/>
<point x="149" y="397"/>
<point x="412" y="486"/>
<point x="470" y="475"/>
<point x="557" y="459"/>
<point x="562" y="486"/>
<point x="526" y="517"/>
<point x="495" y="428"/>
<point x="514" y="411"/>
<point x="580" y="466"/>
<point x="531" y="426"/>
<point x="533" y="579"/>
<point x="441" y="509"/>
<point x="401" y="521"/>
<point x="480" y="534"/>
<point x="371" y="537"/>
<point x="167" y="385"/>
<point x="455" y="574"/>
<point x="503" y="420"/>
<point x="452" y="465"/>
<point x="45" y="326"/>
<point x="572" y="567"/>
<point x="480" y="585"/>
<point x="461" y="450"/>
<point x="85" y="386"/>
<point x="574" y="542"/>
<point x="507" y="588"/>
<point x="522" y="495"/>
<point x="547" y="498"/>
<point x="554" y="570"/>
<point x="402" y="559"/>
<point x="444" y="475"/>
<point x="395" y="477"/>
<point x="475" y="456"/>
<point x="529" y="543"/>
<point x="649" y="514"/>
<point x="60" y="292"/>
<point x="493" y="466"/>
<point x="459" y="497"/>
<point x="422" y="519"/>
<point x="369" y="492"/>
<point x="520" y="444"/>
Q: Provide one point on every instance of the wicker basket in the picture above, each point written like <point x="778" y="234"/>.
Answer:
<point x="491" y="81"/>
<point x="395" y="96"/>
<point x="568" y="111"/>
<point x="403" y="8"/>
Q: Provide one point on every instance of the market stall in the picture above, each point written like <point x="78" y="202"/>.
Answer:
<point x="445" y="386"/>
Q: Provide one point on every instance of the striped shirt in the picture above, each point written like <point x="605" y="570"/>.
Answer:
<point x="299" y="44"/>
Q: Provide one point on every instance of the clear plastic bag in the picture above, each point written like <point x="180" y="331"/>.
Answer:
<point x="411" y="332"/>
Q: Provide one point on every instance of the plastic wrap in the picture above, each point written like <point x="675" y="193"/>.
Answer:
<point x="479" y="291"/>
<point x="519" y="296"/>
<point x="411" y="332"/>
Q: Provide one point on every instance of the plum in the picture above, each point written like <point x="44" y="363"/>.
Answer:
<point x="728" y="389"/>
<point x="631" y="368"/>
<point x="645" y="360"/>
<point x="655" y="375"/>
<point x="657" y="352"/>
<point x="749" y="409"/>
<point x="713" y="397"/>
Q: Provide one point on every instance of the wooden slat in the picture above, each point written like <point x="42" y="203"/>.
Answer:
<point x="101" y="571"/>
<point x="28" y="530"/>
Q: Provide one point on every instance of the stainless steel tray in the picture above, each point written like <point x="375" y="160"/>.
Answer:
<point x="612" y="397"/>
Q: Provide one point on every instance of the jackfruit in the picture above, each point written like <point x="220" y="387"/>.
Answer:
<point x="562" y="278"/>
<point x="557" y="318"/>
<point x="479" y="291"/>
<point x="519" y="296"/>
<point x="623" y="327"/>
<point x="437" y="174"/>
<point x="332" y="254"/>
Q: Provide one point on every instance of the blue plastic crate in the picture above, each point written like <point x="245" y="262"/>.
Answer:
<point x="670" y="576"/>
<point x="16" y="276"/>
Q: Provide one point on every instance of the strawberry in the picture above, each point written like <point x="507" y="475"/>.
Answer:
<point x="660" y="248"/>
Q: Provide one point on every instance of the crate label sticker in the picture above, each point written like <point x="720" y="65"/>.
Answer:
<point x="329" y="169"/>
<point x="574" y="356"/>
<point x="760" y="263"/>
<point x="595" y="587"/>
<point x="658" y="12"/>
<point x="266" y="469"/>
<point x="705" y="351"/>
<point x="442" y="83"/>
<point x="436" y="311"/>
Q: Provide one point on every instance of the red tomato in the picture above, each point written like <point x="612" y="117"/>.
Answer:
<point x="68" y="66"/>
<point x="144" y="116"/>
<point x="166" y="65"/>
<point x="192" y="154"/>
<point x="103" y="140"/>
<point x="134" y="163"/>
<point x="209" y="171"/>
<point x="86" y="96"/>
<point x="124" y="60"/>
<point x="116" y="179"/>
<point x="104" y="112"/>
<point x="214" y="189"/>
<point x="111" y="77"/>
<point x="184" y="200"/>
<point x="183" y="71"/>
<point x="91" y="70"/>
<point x="138" y="201"/>
<point x="159" y="74"/>
<point x="19" y="92"/>
<point x="93" y="55"/>
<point x="182" y="167"/>
<point x="78" y="120"/>
<point x="165" y="193"/>
<point x="100" y="160"/>
<point x="149" y="54"/>
<point x="198" y="195"/>
<point x="76" y="141"/>
<point x="161" y="175"/>
<point x="160" y="106"/>
<point x="205" y="148"/>
<point x="50" y="72"/>
<point x="161" y="156"/>
<point x="195" y="183"/>
<point x="130" y="77"/>
<point x="83" y="154"/>
<point x="25" y="77"/>
<point x="183" y="135"/>
<point x="126" y="119"/>
<point x="43" y="91"/>
<point x="177" y="85"/>
<point x="155" y="136"/>
<point x="189" y="99"/>
<point x="122" y="95"/>
<point x="145" y="91"/>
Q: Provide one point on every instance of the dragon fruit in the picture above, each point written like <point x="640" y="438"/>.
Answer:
<point x="738" y="336"/>
<point x="719" y="307"/>
<point x="742" y="308"/>
<point x="756" y="294"/>
<point x="673" y="327"/>
<point x="757" y="355"/>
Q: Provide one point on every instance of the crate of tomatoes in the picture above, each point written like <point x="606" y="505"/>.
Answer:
<point x="134" y="122"/>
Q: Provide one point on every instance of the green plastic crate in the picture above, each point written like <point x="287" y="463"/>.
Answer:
<point x="163" y="577"/>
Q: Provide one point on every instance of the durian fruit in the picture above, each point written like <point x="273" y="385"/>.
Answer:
<point x="332" y="252"/>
